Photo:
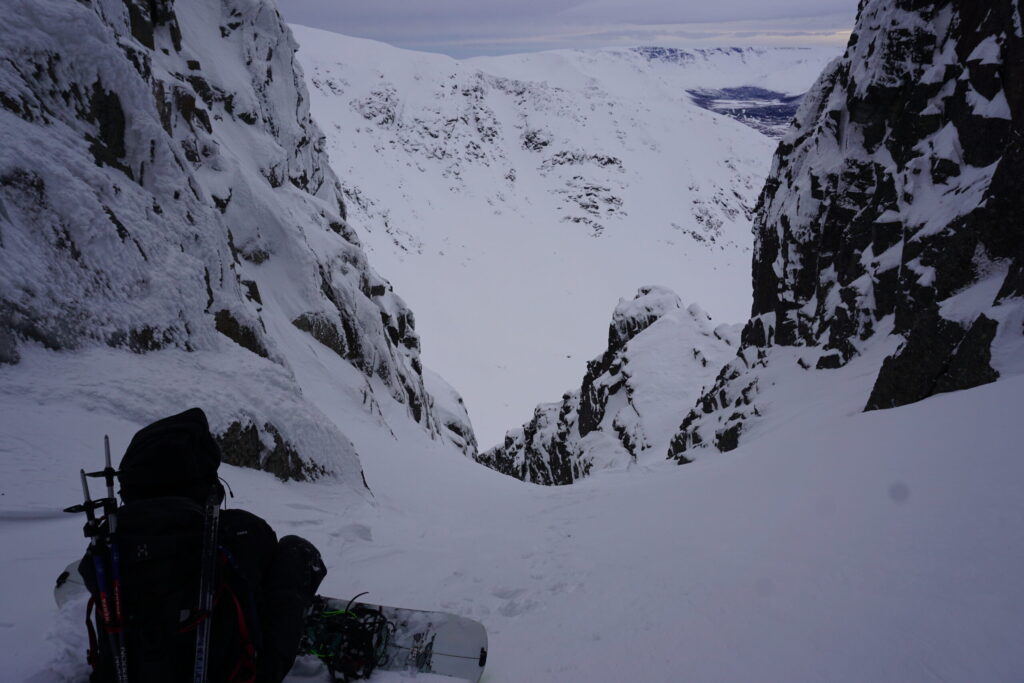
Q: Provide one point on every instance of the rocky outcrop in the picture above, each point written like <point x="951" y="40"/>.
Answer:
<point x="163" y="186"/>
<point x="660" y="355"/>
<point x="545" y="450"/>
<point x="451" y="412"/>
<point x="893" y="207"/>
<point x="244" y="446"/>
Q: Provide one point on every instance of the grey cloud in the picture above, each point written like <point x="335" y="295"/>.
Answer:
<point x="668" y="12"/>
<point x="421" y="15"/>
<point x="463" y="28"/>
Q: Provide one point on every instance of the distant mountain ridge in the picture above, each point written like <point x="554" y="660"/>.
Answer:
<point x="513" y="198"/>
<point x="689" y="55"/>
<point x="765" y="110"/>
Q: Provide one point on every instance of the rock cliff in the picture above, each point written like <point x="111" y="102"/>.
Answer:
<point x="163" y="187"/>
<point x="892" y="215"/>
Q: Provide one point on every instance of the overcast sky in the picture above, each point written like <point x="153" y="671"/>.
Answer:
<point x="465" y="28"/>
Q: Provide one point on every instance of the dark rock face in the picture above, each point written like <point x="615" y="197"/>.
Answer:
<point x="8" y="342"/>
<point x="241" y="334"/>
<point x="659" y="356"/>
<point x="897" y="194"/>
<point x="543" y="451"/>
<point x="243" y="446"/>
<point x="324" y="330"/>
<point x="939" y="356"/>
<point x="723" y="410"/>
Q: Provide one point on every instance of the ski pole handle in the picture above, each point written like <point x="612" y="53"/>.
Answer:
<point x="85" y="488"/>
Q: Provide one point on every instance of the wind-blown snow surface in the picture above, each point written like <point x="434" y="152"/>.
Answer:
<point x="513" y="200"/>
<point x="838" y="546"/>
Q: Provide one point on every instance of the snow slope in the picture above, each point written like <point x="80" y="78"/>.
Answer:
<point x="514" y="199"/>
<point x="837" y="546"/>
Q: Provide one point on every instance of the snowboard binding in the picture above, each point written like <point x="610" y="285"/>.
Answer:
<point x="351" y="642"/>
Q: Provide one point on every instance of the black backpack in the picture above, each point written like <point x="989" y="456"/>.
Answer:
<point x="175" y="456"/>
<point x="166" y="474"/>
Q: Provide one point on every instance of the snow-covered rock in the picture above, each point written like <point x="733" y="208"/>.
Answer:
<point x="450" y="410"/>
<point x="163" y="187"/>
<point x="510" y="198"/>
<point x="660" y="356"/>
<point x="892" y="217"/>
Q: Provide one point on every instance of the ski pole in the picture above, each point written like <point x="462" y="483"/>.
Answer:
<point x="211" y="516"/>
<point x="116" y="639"/>
<point x="110" y="509"/>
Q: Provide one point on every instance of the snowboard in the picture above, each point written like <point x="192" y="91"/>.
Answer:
<point x="418" y="641"/>
<point x="69" y="585"/>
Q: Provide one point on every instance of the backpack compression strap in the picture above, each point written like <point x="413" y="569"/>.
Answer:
<point x="92" y="656"/>
<point x="247" y="659"/>
<point x="244" y="670"/>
